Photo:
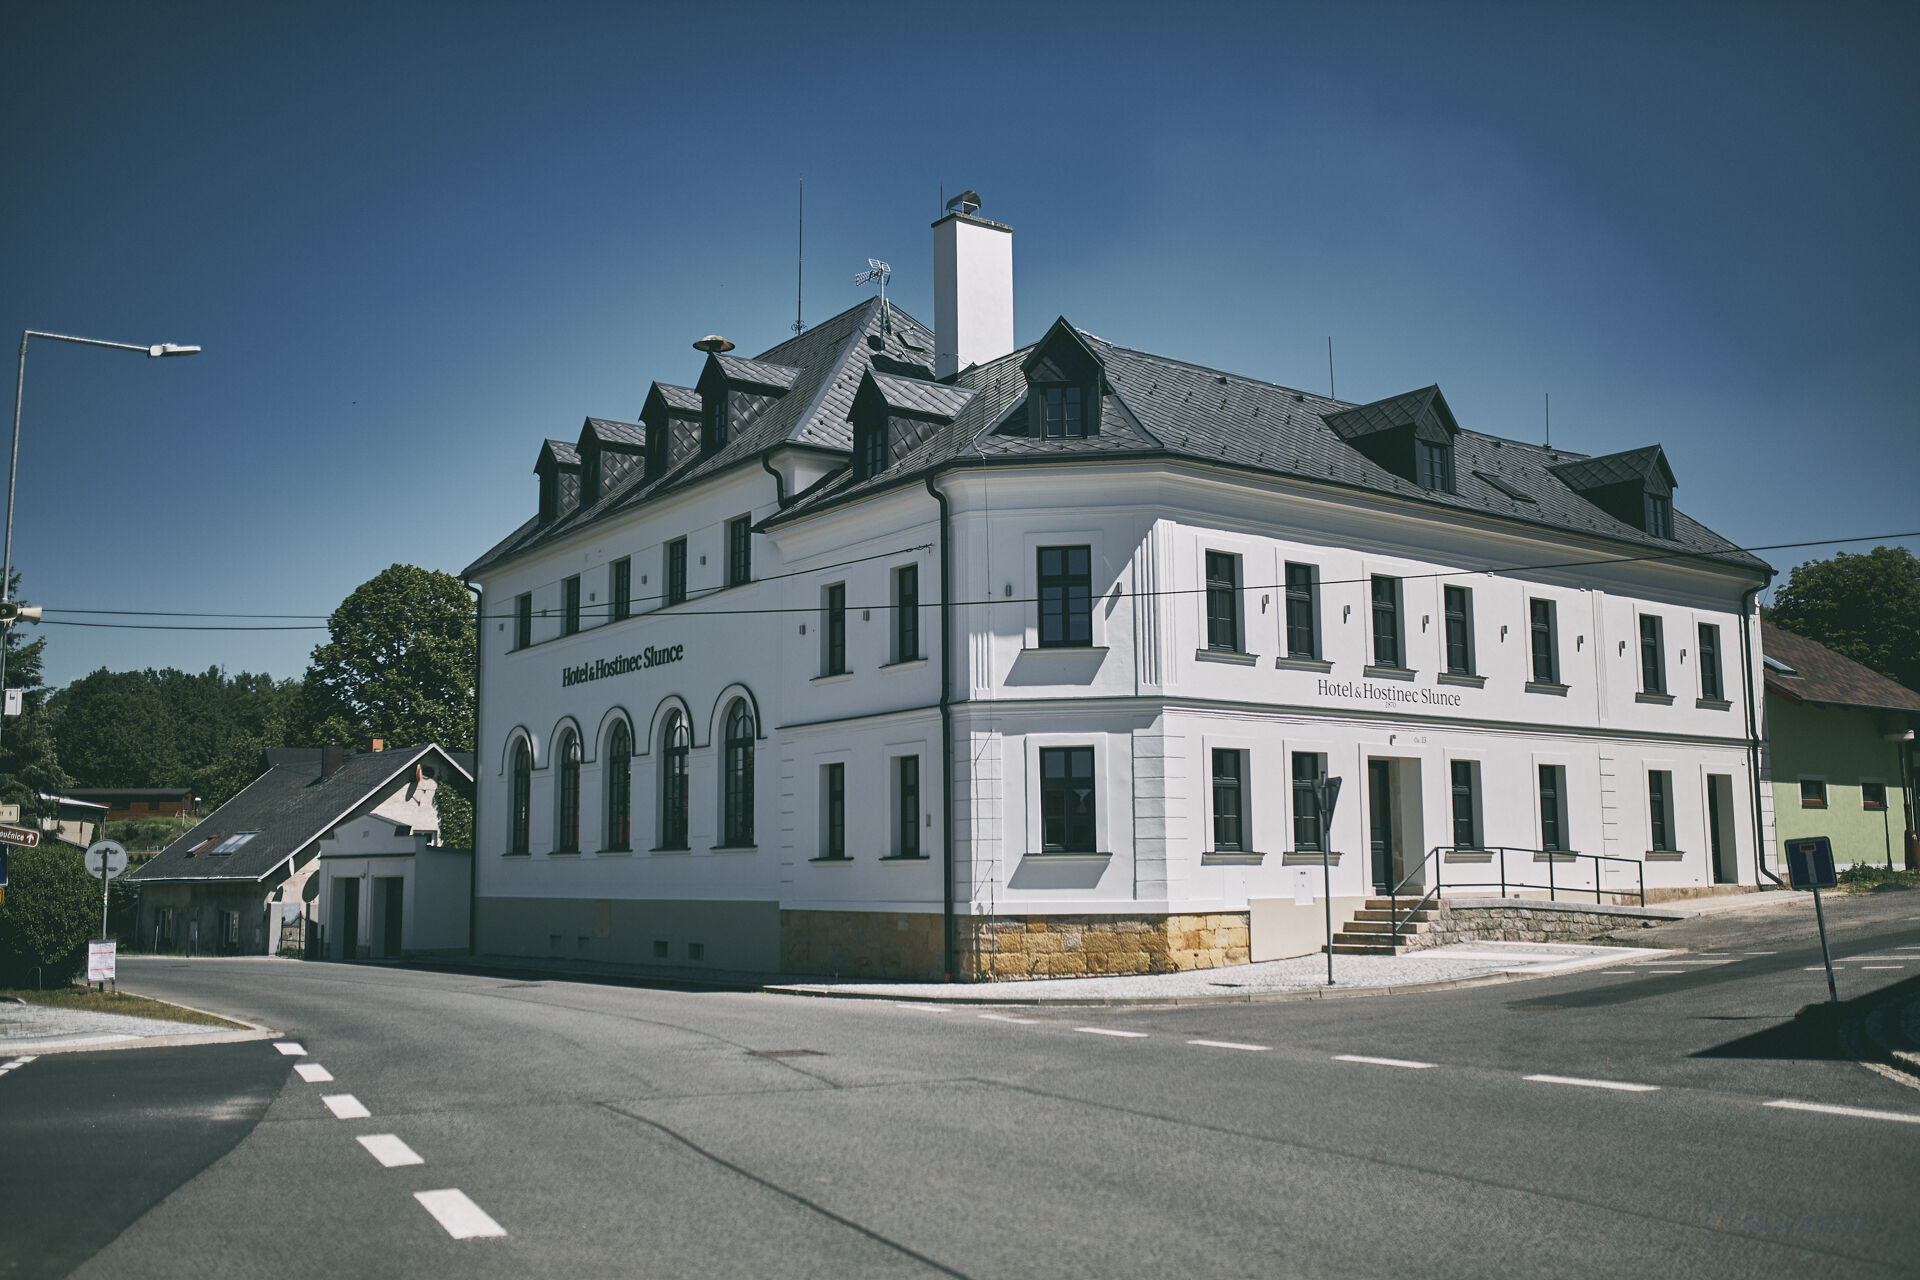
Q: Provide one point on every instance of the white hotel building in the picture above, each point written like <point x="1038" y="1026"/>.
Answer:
<point x="897" y="651"/>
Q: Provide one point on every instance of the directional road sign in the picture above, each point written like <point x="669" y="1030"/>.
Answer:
<point x="25" y="837"/>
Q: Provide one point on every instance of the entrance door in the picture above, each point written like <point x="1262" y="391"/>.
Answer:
<point x="396" y="898"/>
<point x="1720" y="828"/>
<point x="349" y="887"/>
<point x="1380" y="822"/>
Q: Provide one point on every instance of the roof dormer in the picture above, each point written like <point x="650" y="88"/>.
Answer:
<point x="892" y="416"/>
<point x="1634" y="487"/>
<point x="732" y="390"/>
<point x="609" y="451"/>
<point x="1065" y="381"/>
<point x="1410" y="435"/>
<point x="558" y="467"/>
<point x="672" y="418"/>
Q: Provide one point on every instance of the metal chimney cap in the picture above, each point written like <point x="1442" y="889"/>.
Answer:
<point x="713" y="342"/>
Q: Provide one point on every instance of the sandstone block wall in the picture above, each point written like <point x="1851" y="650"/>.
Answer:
<point x="1519" y="923"/>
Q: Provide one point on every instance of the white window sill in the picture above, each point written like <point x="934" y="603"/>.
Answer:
<point x="1232" y="656"/>
<point x="837" y="677"/>
<point x="1063" y="650"/>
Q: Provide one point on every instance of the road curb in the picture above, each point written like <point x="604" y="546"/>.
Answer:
<point x="109" y="1040"/>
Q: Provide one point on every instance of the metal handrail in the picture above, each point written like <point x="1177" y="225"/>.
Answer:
<point x="1549" y="856"/>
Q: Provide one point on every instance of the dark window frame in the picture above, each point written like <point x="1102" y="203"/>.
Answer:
<point x="873" y="449"/>
<point x="1065" y="596"/>
<point x="906" y="613"/>
<point x="1653" y="655"/>
<point x="1063" y="411"/>
<point x="739" y="551"/>
<point x="1305" y="767"/>
<point x="675" y="741"/>
<point x="737" y="777"/>
<point x="1069" y="800"/>
<point x="1230" y="818"/>
<point x="674" y="571"/>
<point x="906" y="775"/>
<point x="833" y="629"/>
<point x="620" y="587"/>
<point x="570" y="606"/>
<point x="716" y="419"/>
<point x="619" y="775"/>
<point x="1303" y="611"/>
<point x="1223" y="602"/>
<point x="834" y="785"/>
<point x="1433" y="465"/>
<point x="1711" y="686"/>
<point x="1553" y="808"/>
<point x="1464" y="778"/>
<point x="1543" y="628"/>
<point x="1813" y="793"/>
<point x="1660" y="810"/>
<point x="523" y="621"/>
<point x="1657" y="515"/>
<point x="1457" y="606"/>
<point x="1385" y="610"/>
<point x="566" y="837"/>
<point x="1869" y="802"/>
<point x="520" y="798"/>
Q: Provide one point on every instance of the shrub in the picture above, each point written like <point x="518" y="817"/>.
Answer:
<point x="1865" y="877"/>
<point x="52" y="908"/>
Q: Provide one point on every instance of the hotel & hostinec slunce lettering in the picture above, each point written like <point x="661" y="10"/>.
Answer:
<point x="908" y="652"/>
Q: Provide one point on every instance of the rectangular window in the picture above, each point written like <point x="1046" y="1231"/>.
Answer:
<point x="675" y="571"/>
<point x="1660" y="809"/>
<point x="1386" y="621"/>
<point x="1303" y="611"/>
<point x="1659" y="515"/>
<point x="622" y="589"/>
<point x="570" y="606"/>
<point x="1710" y="686"/>
<point x="1553" y="808"/>
<point x="906" y="613"/>
<point x="1066" y="597"/>
<point x="1223" y="601"/>
<point x="1653" y="657"/>
<point x="1307" y="766"/>
<point x="1063" y="416"/>
<point x="1435" y="466"/>
<point x="1546" y="642"/>
<point x="1813" y="793"/>
<point x="1466" y="804"/>
<point x="522" y="621"/>
<point x="833" y="630"/>
<point x="1459" y="609"/>
<point x="739" y="551"/>
<point x="833" y="786"/>
<point x="1229" y="800"/>
<point x="873" y="449"/>
<point x="906" y="803"/>
<point x="1873" y="795"/>
<point x="1066" y="800"/>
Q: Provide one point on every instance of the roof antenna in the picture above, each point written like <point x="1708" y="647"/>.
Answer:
<point x="1549" y="396"/>
<point x="1330" y="394"/>
<point x="878" y="270"/>
<point x="800" y="278"/>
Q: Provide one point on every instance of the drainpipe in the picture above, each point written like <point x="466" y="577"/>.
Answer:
<point x="779" y="481"/>
<point x="1753" y="738"/>
<point x="948" y="947"/>
<point x="473" y="854"/>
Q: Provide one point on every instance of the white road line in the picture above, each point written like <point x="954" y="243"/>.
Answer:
<point x="1759" y="953"/>
<point x="1606" y="971"/>
<point x="313" y="1072"/>
<point x="1383" y="1062"/>
<point x="1102" y="1031"/>
<point x="462" y="1218"/>
<point x="1622" y="1085"/>
<point x="21" y="1061"/>
<point x="1858" y="959"/>
<point x="345" y="1106"/>
<point x="1867" y="967"/>
<point x="1229" y="1044"/>
<point x="291" y="1049"/>
<point x="389" y="1150"/>
<point x="1820" y="968"/>
<point x="1663" y="971"/>
<point x="1005" y="1017"/>
<point x="1860" y="1113"/>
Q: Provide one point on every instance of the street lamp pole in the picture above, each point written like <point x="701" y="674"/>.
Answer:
<point x="7" y="612"/>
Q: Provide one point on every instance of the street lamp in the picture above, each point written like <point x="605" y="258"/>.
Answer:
<point x="8" y="613"/>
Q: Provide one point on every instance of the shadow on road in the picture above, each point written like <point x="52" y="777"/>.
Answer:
<point x="1824" y="1032"/>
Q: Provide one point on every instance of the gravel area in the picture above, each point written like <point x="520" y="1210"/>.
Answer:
<point x="1301" y="974"/>
<point x="34" y="1026"/>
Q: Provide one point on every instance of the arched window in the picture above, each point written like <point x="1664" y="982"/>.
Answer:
<point x="520" y="815"/>
<point x="673" y="783"/>
<point x="567" y="838"/>
<point x="620" y="787"/>
<point x="737" y="780"/>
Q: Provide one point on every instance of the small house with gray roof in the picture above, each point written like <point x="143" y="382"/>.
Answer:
<point x="917" y="654"/>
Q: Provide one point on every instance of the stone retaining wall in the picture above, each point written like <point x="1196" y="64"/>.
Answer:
<point x="1059" y="946"/>
<point x="1522" y="922"/>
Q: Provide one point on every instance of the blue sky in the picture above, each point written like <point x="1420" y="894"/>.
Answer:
<point x="417" y="239"/>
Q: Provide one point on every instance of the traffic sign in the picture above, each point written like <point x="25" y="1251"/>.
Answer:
<point x="25" y="837"/>
<point x="1810" y="863"/>
<point x="106" y="859"/>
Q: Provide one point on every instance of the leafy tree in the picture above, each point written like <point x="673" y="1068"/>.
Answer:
<point x="454" y="799"/>
<point x="29" y="762"/>
<point x="115" y="728"/>
<point x="1864" y="607"/>
<point x="398" y="665"/>
<point x="51" y="910"/>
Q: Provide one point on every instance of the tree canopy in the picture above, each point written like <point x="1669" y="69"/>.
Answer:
<point x="1864" y="607"/>
<point x="399" y="664"/>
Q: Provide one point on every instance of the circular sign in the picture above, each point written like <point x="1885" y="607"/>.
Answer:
<point x="105" y="859"/>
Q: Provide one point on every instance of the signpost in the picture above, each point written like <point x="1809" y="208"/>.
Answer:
<point x="1810" y="866"/>
<point x="3" y="875"/>
<point x="105" y="860"/>
<point x="25" y="837"/>
<point x="1326" y="794"/>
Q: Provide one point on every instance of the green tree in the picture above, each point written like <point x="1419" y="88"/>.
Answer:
<point x="398" y="665"/>
<point x="52" y="908"/>
<point x="1864" y="607"/>
<point x="454" y="799"/>
<point x="115" y="729"/>
<point x="29" y="762"/>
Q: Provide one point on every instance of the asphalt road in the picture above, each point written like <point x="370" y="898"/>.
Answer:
<point x="615" y="1131"/>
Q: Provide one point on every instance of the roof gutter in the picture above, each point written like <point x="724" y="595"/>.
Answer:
<point x="1747" y="602"/>
<point x="948" y="949"/>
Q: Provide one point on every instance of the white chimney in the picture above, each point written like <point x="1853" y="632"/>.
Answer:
<point x="972" y="292"/>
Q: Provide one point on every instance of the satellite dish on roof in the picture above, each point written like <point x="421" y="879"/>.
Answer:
<point x="713" y="342"/>
<point x="966" y="202"/>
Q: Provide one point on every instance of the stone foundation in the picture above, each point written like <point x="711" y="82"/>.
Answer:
<point x="862" y="944"/>
<point x="1519" y="920"/>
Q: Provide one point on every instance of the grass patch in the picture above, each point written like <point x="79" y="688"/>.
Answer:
<point x="118" y="1002"/>
<point x="1866" y="877"/>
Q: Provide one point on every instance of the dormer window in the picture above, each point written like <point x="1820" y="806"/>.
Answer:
<point x="1409" y="435"/>
<point x="1434" y="465"/>
<point x="713" y="420"/>
<point x="1061" y="414"/>
<point x="1635" y="487"/>
<point x="1065" y="378"/>
<point x="873" y="449"/>
<point x="1659" y="515"/>
<point x="894" y="415"/>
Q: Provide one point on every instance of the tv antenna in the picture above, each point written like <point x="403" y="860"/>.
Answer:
<point x="878" y="270"/>
<point x="800" y="276"/>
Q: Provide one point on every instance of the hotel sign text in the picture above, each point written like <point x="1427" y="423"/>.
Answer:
<point x="1395" y="694"/>
<point x="602" y="668"/>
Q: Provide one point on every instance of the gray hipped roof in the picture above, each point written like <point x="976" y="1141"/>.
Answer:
<point x="289" y="807"/>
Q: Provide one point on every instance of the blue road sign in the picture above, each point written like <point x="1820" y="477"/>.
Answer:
<point x="1810" y="863"/>
<point x="3" y="866"/>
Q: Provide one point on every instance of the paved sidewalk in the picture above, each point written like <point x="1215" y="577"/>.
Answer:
<point x="34" y="1028"/>
<point x="1304" y="977"/>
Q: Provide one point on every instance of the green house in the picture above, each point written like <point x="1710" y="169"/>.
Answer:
<point x="1840" y="740"/>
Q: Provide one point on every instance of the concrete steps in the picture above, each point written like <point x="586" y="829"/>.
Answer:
<point x="1370" y="932"/>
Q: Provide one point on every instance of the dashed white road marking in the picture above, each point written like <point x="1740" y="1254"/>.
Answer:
<point x="1663" y="971"/>
<point x="313" y="1072"/>
<point x="1820" y="968"/>
<point x="1860" y="1113"/>
<point x="1858" y="959"/>
<point x="462" y="1218"/>
<point x="1408" y="1063"/>
<point x="1229" y="1044"/>
<point x="21" y="1061"/>
<point x="1006" y="1017"/>
<point x="1866" y="967"/>
<point x="1615" y="971"/>
<point x="1623" y="1086"/>
<point x="1759" y="953"/>
<point x="1103" y="1031"/>
<point x="389" y="1150"/>
<point x="291" y="1048"/>
<point x="346" y="1107"/>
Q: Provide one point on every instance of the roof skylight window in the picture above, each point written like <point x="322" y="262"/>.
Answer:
<point x="1503" y="487"/>
<point x="1778" y="667"/>
<point x="233" y="842"/>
